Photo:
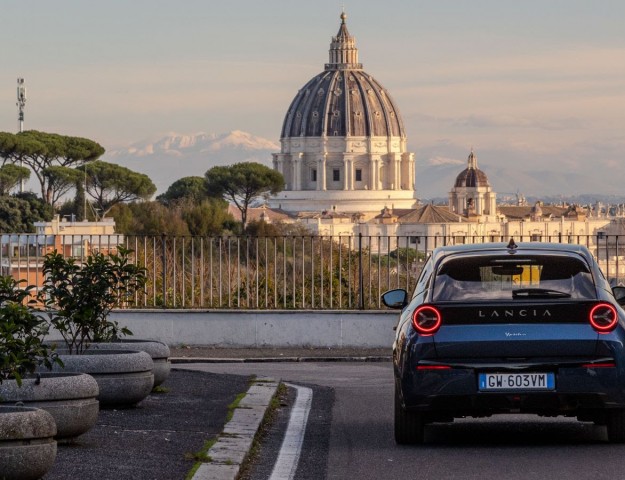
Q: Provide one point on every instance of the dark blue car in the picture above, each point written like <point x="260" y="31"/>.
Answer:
<point x="505" y="328"/>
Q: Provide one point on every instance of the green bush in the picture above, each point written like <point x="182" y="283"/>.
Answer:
<point x="22" y="330"/>
<point x="80" y="297"/>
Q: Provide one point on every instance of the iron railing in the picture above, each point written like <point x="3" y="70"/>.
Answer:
<point x="277" y="272"/>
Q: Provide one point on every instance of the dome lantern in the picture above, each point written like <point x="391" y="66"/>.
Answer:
<point x="343" y="51"/>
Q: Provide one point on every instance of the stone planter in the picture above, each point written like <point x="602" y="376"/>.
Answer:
<point x="124" y="377"/>
<point x="69" y="397"/>
<point x="157" y="350"/>
<point x="27" y="445"/>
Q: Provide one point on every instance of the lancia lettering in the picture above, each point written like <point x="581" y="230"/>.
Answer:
<point x="523" y="312"/>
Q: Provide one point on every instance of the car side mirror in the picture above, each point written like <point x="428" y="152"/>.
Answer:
<point x="396" y="299"/>
<point x="619" y="295"/>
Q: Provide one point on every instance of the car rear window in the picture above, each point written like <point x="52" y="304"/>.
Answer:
<point x="527" y="277"/>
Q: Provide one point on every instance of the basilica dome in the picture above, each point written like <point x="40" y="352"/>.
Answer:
<point x="472" y="176"/>
<point x="471" y="194"/>
<point x="343" y="100"/>
<point x="343" y="143"/>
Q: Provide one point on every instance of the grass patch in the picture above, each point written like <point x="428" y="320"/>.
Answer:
<point x="234" y="404"/>
<point x="278" y="400"/>
<point x="199" y="457"/>
<point x="160" y="389"/>
<point x="202" y="455"/>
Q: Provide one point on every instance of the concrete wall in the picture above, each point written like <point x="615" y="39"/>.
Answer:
<point x="256" y="328"/>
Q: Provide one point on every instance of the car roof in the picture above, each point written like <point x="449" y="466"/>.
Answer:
<point x="535" y="248"/>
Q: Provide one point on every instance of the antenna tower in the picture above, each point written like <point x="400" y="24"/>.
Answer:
<point x="21" y="103"/>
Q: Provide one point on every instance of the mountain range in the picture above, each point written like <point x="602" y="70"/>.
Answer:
<point x="173" y="156"/>
<point x="167" y="158"/>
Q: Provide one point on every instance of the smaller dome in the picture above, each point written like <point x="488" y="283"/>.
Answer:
<point x="472" y="176"/>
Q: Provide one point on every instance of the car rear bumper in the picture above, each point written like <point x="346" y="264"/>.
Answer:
<point x="456" y="392"/>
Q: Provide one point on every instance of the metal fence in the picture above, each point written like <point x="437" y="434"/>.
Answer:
<point x="278" y="272"/>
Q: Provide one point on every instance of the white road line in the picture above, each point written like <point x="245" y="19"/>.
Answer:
<point x="286" y="464"/>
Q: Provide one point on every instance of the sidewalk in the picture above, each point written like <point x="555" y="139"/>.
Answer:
<point x="188" y="354"/>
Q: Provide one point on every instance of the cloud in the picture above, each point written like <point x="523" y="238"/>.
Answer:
<point x="441" y="160"/>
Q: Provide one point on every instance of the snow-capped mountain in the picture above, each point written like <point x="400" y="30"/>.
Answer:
<point x="169" y="158"/>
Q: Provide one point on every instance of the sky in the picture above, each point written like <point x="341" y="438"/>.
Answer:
<point x="536" y="81"/>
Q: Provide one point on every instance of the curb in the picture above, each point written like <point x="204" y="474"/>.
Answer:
<point x="234" y="443"/>
<point x="183" y="360"/>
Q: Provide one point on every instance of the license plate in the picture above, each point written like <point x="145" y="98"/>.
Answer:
<point x="516" y="381"/>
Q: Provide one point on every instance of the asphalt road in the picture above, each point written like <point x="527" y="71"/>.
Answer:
<point x="155" y="440"/>
<point x="349" y="434"/>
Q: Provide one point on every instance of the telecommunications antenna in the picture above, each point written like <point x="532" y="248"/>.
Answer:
<point x="21" y="103"/>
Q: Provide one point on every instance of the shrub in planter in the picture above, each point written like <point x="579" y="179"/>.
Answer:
<point x="27" y="447"/>
<point x="22" y="330"/>
<point x="80" y="297"/>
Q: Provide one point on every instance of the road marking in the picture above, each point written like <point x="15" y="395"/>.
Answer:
<point x="288" y="458"/>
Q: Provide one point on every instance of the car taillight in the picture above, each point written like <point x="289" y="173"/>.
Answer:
<point x="599" y="365"/>
<point x="603" y="317"/>
<point x="426" y="320"/>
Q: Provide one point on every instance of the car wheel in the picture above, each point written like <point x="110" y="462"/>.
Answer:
<point x="409" y="426"/>
<point x="615" y="421"/>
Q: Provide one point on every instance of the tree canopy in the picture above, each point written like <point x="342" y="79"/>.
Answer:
<point x="207" y="217"/>
<point x="109" y="184"/>
<point x="11" y="176"/>
<point x="40" y="150"/>
<point x="18" y="213"/>
<point x="192" y="188"/>
<point x="242" y="183"/>
<point x="148" y="218"/>
<point x="61" y="180"/>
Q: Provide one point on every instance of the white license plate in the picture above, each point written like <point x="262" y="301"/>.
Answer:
<point x="516" y="381"/>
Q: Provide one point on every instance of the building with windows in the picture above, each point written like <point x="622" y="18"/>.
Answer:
<point x="22" y="254"/>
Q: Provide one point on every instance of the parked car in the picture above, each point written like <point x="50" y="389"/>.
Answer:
<point x="504" y="328"/>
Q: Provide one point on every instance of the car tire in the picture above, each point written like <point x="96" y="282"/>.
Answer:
<point x="409" y="426"/>
<point x="615" y="422"/>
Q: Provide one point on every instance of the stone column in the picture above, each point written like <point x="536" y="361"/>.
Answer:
<point x="318" y="167"/>
<point x="397" y="172"/>
<point x="350" y="177"/>
<point x="323" y="172"/>
<point x="297" y="171"/>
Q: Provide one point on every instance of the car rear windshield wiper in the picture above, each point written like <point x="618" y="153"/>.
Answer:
<point x="539" y="292"/>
